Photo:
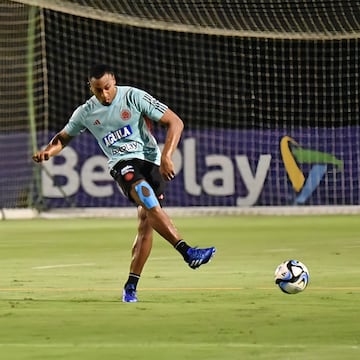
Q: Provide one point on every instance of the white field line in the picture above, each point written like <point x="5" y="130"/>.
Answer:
<point x="61" y="266"/>
<point x="281" y="250"/>
<point x="179" y="345"/>
<point x="75" y="289"/>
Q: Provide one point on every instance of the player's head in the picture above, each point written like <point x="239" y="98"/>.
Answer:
<point x="102" y="83"/>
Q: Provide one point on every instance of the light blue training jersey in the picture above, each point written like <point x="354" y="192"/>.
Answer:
<point x="121" y="129"/>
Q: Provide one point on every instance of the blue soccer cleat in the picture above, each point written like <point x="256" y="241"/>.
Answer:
<point x="197" y="257"/>
<point x="129" y="294"/>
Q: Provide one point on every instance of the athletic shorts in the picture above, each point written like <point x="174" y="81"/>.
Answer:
<point x="128" y="172"/>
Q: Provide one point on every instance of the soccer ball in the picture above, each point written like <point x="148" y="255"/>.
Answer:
<point x="292" y="276"/>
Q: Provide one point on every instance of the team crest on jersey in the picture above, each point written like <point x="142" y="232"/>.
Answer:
<point x="117" y="135"/>
<point x="125" y="114"/>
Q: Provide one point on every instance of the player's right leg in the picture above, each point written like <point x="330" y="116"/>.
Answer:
<point x="140" y="252"/>
<point x="142" y="244"/>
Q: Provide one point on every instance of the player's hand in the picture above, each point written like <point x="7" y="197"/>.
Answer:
<point x="41" y="156"/>
<point x="167" y="168"/>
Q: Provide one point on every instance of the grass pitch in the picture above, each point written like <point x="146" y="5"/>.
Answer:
<point x="61" y="281"/>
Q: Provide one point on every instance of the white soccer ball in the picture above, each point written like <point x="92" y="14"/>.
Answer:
<point x="292" y="276"/>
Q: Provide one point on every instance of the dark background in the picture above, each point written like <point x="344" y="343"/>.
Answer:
<point x="210" y="81"/>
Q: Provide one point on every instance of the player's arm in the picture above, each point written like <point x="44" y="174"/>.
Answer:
<point x="175" y="127"/>
<point x="56" y="144"/>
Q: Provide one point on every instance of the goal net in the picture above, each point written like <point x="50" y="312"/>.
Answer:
<point x="268" y="91"/>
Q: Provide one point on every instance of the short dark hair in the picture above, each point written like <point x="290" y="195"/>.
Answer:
<point x="99" y="70"/>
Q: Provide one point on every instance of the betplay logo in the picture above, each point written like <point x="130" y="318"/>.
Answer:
<point x="294" y="156"/>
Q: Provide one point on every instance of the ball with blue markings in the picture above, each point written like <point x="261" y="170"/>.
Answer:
<point x="292" y="276"/>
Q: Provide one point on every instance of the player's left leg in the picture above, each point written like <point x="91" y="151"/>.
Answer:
<point x="159" y="220"/>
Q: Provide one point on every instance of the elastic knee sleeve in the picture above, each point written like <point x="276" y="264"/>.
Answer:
<point x="146" y="194"/>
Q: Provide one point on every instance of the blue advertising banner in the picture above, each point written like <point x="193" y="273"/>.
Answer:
<point x="15" y="170"/>
<point x="219" y="167"/>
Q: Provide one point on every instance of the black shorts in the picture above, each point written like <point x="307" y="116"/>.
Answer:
<point x="128" y="172"/>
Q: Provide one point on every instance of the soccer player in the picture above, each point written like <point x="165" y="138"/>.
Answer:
<point x="119" y="118"/>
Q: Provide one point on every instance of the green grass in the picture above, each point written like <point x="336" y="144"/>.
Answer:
<point x="61" y="280"/>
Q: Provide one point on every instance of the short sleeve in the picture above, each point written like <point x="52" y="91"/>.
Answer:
<point x="147" y="104"/>
<point x="75" y="124"/>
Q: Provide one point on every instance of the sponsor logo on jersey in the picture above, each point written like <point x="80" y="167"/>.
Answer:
<point x="128" y="147"/>
<point x="117" y="135"/>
